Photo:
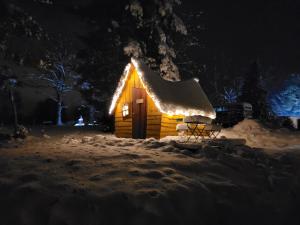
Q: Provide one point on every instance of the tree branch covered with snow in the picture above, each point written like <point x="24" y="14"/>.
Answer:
<point x="58" y="75"/>
<point x="286" y="100"/>
<point x="19" y="31"/>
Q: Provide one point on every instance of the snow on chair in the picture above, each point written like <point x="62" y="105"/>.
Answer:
<point x="197" y="120"/>
<point x="182" y="129"/>
<point x="199" y="127"/>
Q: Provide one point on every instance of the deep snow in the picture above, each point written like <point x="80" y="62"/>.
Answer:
<point x="89" y="178"/>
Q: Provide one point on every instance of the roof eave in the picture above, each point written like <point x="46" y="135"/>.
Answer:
<point x="169" y="109"/>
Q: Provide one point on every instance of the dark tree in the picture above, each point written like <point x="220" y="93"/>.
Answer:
<point x="46" y="111"/>
<point x="253" y="92"/>
<point x="20" y="33"/>
<point x="222" y="80"/>
<point x="9" y="83"/>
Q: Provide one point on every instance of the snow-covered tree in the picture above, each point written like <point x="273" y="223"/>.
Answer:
<point x="285" y="101"/>
<point x="47" y="2"/>
<point x="152" y="31"/>
<point x="17" y="26"/>
<point x="230" y="95"/>
<point x="160" y="25"/>
<point x="58" y="75"/>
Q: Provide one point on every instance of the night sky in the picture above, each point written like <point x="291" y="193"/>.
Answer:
<point x="260" y="29"/>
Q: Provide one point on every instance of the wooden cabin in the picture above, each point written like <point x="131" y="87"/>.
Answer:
<point x="145" y="105"/>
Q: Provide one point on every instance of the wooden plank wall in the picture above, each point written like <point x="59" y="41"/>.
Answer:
<point x="153" y="119"/>
<point x="158" y="125"/>
<point x="123" y="126"/>
<point x="168" y="125"/>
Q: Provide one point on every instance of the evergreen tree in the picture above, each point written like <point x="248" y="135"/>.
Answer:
<point x="18" y="26"/>
<point x="285" y="101"/>
<point x="149" y="30"/>
<point x="253" y="92"/>
<point x="138" y="28"/>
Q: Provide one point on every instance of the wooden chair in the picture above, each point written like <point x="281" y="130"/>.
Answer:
<point x="191" y="130"/>
<point x="198" y="131"/>
<point x="212" y="130"/>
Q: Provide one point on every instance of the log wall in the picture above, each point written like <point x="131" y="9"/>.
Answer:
<point x="159" y="125"/>
<point x="168" y="125"/>
<point x="123" y="126"/>
<point x="153" y="120"/>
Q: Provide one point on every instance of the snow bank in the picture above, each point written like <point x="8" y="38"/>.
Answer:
<point x="249" y="125"/>
<point x="256" y="135"/>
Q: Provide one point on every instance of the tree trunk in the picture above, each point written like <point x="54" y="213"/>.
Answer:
<point x="92" y="111"/>
<point x="59" y="111"/>
<point x="14" y="107"/>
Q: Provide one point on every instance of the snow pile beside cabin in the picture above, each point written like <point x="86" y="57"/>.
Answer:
<point x="256" y="135"/>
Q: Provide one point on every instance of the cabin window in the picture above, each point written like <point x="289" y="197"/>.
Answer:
<point x="125" y="110"/>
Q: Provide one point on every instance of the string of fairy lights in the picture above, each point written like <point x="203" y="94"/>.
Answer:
<point x="169" y="109"/>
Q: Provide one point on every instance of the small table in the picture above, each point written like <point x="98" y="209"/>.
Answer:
<point x="196" y="130"/>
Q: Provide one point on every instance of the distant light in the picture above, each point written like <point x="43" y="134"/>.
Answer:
<point x="86" y="86"/>
<point x="80" y="122"/>
<point x="196" y="79"/>
<point x="221" y="109"/>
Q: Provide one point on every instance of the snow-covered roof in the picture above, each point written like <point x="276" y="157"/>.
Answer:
<point x="174" y="98"/>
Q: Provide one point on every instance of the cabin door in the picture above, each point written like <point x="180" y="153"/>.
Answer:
<point x="139" y="113"/>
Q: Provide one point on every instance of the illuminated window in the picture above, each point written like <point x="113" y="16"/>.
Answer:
<point x="125" y="110"/>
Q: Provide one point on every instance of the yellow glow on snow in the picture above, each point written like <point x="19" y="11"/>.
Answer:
<point x="169" y="109"/>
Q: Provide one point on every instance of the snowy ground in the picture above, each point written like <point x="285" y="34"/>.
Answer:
<point x="84" y="177"/>
<point x="259" y="136"/>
